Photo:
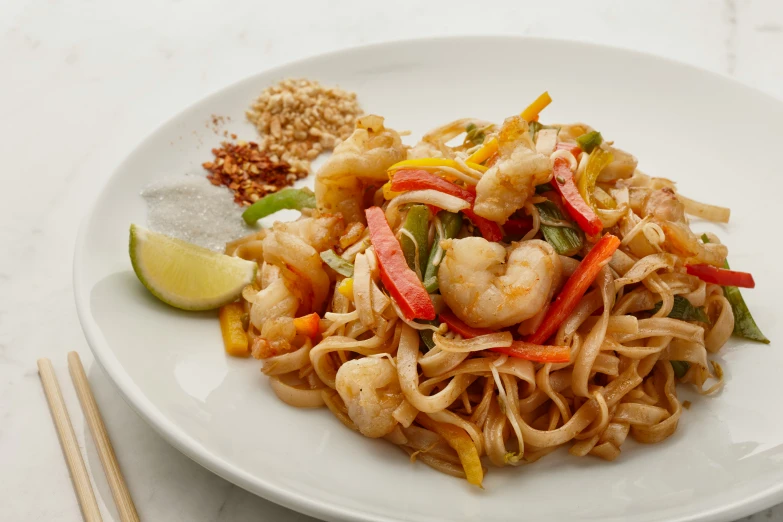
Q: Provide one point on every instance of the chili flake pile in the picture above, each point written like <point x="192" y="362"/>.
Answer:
<point x="300" y="118"/>
<point x="249" y="172"/>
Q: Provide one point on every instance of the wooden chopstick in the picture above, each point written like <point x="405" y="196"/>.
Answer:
<point x="122" y="497"/>
<point x="73" y="457"/>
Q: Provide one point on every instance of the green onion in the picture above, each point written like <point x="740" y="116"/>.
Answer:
<point x="587" y="142"/>
<point x="684" y="310"/>
<point x="546" y="187"/>
<point x="566" y="240"/>
<point x="534" y="127"/>
<point x="426" y="335"/>
<point x="680" y="368"/>
<point x="289" y="198"/>
<point x="451" y="226"/>
<point x="417" y="224"/>
<point x="744" y="324"/>
<point x="474" y="135"/>
<point x="337" y="263"/>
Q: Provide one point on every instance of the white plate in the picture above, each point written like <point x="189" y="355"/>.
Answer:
<point x="716" y="138"/>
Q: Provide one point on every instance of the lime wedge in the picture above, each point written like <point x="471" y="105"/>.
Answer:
<point x="184" y="275"/>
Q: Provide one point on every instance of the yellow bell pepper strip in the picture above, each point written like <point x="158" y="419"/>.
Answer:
<point x="540" y="103"/>
<point x="234" y="336"/>
<point x="346" y="287"/>
<point x="488" y="149"/>
<point x="434" y="163"/>
<point x="596" y="162"/>
<point x="461" y="442"/>
<point x="388" y="193"/>
<point x="400" y="281"/>
<point x="575" y="288"/>
<point x="308" y="325"/>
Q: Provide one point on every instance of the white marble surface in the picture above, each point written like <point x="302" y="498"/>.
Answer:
<point x="82" y="82"/>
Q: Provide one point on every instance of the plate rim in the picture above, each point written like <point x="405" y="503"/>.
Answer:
<point x="287" y="497"/>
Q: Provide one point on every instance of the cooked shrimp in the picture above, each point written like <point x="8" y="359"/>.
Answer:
<point x="505" y="187"/>
<point x="320" y="232"/>
<point x="371" y="391"/>
<point x="301" y="261"/>
<point x="489" y="286"/>
<point x="356" y="164"/>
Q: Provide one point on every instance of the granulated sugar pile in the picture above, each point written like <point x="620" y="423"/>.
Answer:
<point x="192" y="209"/>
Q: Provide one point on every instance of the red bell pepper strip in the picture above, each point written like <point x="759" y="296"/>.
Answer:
<point x="578" y="209"/>
<point x="401" y="282"/>
<point x="721" y="276"/>
<point x="417" y="179"/>
<point x="518" y="349"/>
<point x="575" y="287"/>
<point x="518" y="226"/>
<point x="573" y="148"/>
<point x="537" y="352"/>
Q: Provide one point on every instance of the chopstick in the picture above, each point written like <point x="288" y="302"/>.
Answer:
<point x="122" y="497"/>
<point x="73" y="457"/>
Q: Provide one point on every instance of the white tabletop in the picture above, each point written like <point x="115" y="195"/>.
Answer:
<point x="82" y="82"/>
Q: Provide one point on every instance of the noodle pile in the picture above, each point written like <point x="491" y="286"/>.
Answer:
<point x="454" y="400"/>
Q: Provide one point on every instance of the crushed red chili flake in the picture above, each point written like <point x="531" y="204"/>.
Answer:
<point x="248" y="172"/>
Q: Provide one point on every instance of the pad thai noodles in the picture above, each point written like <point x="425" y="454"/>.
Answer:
<point x="490" y="294"/>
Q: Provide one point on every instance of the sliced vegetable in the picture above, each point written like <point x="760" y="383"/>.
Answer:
<point x="744" y="324"/>
<point x="417" y="225"/>
<point x="337" y="263"/>
<point x="401" y="282"/>
<point x="533" y="128"/>
<point x="575" y="287"/>
<point x="483" y="154"/>
<point x="576" y="206"/>
<point x="388" y="193"/>
<point x="596" y="162"/>
<point x="566" y="240"/>
<point x="308" y="325"/>
<point x="589" y="141"/>
<point x="721" y="276"/>
<point x="426" y="335"/>
<point x="288" y="198"/>
<point x="452" y="223"/>
<point x="461" y="442"/>
<point x="474" y="135"/>
<point x="536" y="352"/>
<point x="346" y="287"/>
<point x="539" y="104"/>
<point x="518" y="349"/>
<point x="684" y="310"/>
<point x="517" y="226"/>
<point x="409" y="179"/>
<point x="680" y="368"/>
<point x="234" y="336"/>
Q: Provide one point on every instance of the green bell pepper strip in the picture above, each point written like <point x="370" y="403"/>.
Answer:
<point x="417" y="224"/>
<point x="337" y="263"/>
<point x="452" y="223"/>
<point x="288" y="198"/>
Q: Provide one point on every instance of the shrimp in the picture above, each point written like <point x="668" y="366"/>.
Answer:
<point x="301" y="266"/>
<point x="320" y="232"/>
<point x="504" y="188"/>
<point x="491" y="286"/>
<point x="371" y="391"/>
<point x="356" y="164"/>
